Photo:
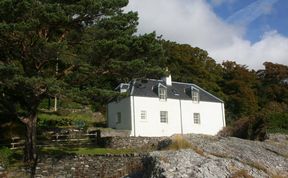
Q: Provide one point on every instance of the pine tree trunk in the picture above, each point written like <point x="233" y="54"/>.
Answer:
<point x="30" y="151"/>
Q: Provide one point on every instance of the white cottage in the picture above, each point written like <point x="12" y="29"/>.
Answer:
<point x="163" y="108"/>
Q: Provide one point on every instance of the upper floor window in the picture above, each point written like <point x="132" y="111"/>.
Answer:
<point x="164" y="116"/>
<point x="196" y="117"/>
<point x="162" y="92"/>
<point x="195" y="95"/>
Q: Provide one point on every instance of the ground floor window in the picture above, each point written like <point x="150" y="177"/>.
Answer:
<point x="143" y="115"/>
<point x="196" y="117"/>
<point x="164" y="116"/>
<point x="118" y="118"/>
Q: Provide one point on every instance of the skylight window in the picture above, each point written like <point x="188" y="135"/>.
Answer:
<point x="175" y="92"/>
<point x="125" y="86"/>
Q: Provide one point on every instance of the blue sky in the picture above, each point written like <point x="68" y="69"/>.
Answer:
<point x="249" y="32"/>
<point x="274" y="18"/>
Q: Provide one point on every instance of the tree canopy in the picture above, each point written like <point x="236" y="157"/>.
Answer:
<point x="71" y="49"/>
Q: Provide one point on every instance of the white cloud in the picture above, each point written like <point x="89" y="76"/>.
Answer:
<point x="220" y="2"/>
<point x="272" y="47"/>
<point x="195" y="23"/>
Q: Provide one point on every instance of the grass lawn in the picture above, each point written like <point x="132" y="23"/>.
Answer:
<point x="84" y="150"/>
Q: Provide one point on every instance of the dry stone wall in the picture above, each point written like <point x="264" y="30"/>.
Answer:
<point x="133" y="142"/>
<point x="71" y="166"/>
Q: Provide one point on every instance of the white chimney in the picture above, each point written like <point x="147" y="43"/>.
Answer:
<point x="167" y="80"/>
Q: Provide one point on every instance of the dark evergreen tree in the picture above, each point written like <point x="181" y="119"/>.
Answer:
<point x="77" y="49"/>
<point x="240" y="86"/>
<point x="193" y="65"/>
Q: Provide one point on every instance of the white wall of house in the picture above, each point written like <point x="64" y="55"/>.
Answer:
<point x="151" y="126"/>
<point x="122" y="106"/>
<point x="212" y="118"/>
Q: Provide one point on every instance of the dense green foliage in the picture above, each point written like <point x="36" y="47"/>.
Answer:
<point x="68" y="49"/>
<point x="257" y="98"/>
<point x="79" y="51"/>
<point x="193" y="65"/>
<point x="278" y="122"/>
<point x="5" y="156"/>
<point x="50" y="121"/>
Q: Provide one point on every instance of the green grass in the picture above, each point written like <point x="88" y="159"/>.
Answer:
<point x="84" y="151"/>
<point x="52" y="120"/>
<point x="5" y="155"/>
<point x="277" y="130"/>
<point x="91" y="151"/>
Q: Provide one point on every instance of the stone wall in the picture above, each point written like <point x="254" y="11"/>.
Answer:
<point x="133" y="142"/>
<point x="102" y="166"/>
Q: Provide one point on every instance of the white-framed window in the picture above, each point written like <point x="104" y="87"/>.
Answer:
<point x="118" y="118"/>
<point x="143" y="115"/>
<point x="164" y="116"/>
<point x="162" y="93"/>
<point x="195" y="95"/>
<point x="196" y="117"/>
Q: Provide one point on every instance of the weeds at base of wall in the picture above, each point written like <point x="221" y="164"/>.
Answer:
<point x="179" y="142"/>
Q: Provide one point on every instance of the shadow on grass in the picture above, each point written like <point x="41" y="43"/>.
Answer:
<point x="88" y="150"/>
<point x="57" y="151"/>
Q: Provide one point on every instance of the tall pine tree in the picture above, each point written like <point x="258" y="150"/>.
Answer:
<point x="75" y="49"/>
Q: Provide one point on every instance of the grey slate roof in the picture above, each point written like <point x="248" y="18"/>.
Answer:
<point x="178" y="90"/>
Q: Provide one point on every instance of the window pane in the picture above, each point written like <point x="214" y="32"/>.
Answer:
<point x="143" y="115"/>
<point x="164" y="116"/>
<point x="196" y="117"/>
<point x="162" y="93"/>
<point x="118" y="117"/>
<point x="195" y="96"/>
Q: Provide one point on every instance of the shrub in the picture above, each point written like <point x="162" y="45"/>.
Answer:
<point x="226" y="131"/>
<point x="253" y="128"/>
<point x="178" y="142"/>
<point x="5" y="156"/>
<point x="77" y="120"/>
<point x="278" y="122"/>
<point x="50" y="121"/>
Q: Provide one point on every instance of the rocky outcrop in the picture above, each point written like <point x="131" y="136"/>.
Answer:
<point x="221" y="157"/>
